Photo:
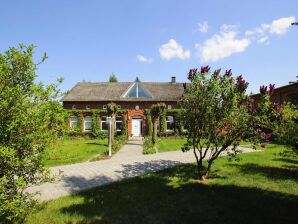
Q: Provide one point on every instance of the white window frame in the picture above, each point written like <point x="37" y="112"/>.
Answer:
<point x="119" y="107"/>
<point x="121" y="121"/>
<point x="88" y="107"/>
<point x="137" y="107"/>
<point x="104" y="107"/>
<point x="101" y="121"/>
<point x="173" y="122"/>
<point x="169" y="107"/>
<point x="90" y="121"/>
<point x="73" y="122"/>
<point x="74" y="107"/>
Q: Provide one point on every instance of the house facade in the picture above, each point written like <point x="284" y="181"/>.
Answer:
<point x="133" y="99"/>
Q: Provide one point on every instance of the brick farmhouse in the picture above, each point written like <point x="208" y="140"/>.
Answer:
<point x="134" y="98"/>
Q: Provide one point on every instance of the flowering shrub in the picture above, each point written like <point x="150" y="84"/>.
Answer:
<point x="219" y="115"/>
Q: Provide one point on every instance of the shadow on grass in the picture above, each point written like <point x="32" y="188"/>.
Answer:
<point x="157" y="199"/>
<point x="275" y="173"/>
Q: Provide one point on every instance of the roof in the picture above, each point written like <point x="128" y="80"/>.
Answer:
<point x="113" y="91"/>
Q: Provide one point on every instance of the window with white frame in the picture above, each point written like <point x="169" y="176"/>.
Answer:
<point x="169" y="106"/>
<point x="170" y="123"/>
<point x="73" y="121"/>
<point x="137" y="107"/>
<point x="104" y="123"/>
<point x="119" y="107"/>
<point x="119" y="123"/>
<point x="104" y="107"/>
<point x="88" y="107"/>
<point x="88" y="123"/>
<point x="74" y="107"/>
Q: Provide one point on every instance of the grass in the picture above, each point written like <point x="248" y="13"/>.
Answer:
<point x="170" y="144"/>
<point x="260" y="188"/>
<point x="74" y="151"/>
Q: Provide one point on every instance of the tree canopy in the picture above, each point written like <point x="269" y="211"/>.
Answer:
<point x="113" y="78"/>
<point x="31" y="118"/>
<point x="218" y="115"/>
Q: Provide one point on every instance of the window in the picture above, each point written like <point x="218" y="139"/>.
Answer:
<point x="137" y="107"/>
<point x="119" y="107"/>
<point x="137" y="90"/>
<point x="119" y="123"/>
<point x="169" y="106"/>
<point x="170" y="123"/>
<point x="104" y="107"/>
<point x="73" y="121"/>
<point x="104" y="123"/>
<point x="74" y="107"/>
<point x="88" y="123"/>
<point x="88" y="107"/>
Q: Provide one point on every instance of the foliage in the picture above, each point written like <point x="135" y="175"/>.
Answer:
<point x="156" y="111"/>
<point x="286" y="128"/>
<point x="96" y="132"/>
<point x="31" y="118"/>
<point x="163" y="123"/>
<point x="149" y="123"/>
<point x="119" y="141"/>
<point x="262" y="188"/>
<point x="217" y="110"/>
<point x="113" y="78"/>
<point x="148" y="147"/>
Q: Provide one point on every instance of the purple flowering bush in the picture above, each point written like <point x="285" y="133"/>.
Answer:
<point x="219" y="115"/>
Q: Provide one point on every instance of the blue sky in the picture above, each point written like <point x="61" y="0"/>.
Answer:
<point x="154" y="39"/>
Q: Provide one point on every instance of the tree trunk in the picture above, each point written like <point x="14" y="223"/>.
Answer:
<point x="200" y="167"/>
<point x="154" y="134"/>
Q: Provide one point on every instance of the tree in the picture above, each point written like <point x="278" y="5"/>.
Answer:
<point x="218" y="116"/>
<point x="113" y="78"/>
<point x="31" y="118"/>
<point x="156" y="112"/>
<point x="285" y="128"/>
<point x="112" y="112"/>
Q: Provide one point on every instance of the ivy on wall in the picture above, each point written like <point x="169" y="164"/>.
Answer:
<point x="163" y="123"/>
<point x="95" y="114"/>
<point x="149" y="122"/>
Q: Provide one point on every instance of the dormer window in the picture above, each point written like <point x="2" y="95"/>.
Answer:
<point x="88" y="107"/>
<point x="73" y="107"/>
<point x="137" y="90"/>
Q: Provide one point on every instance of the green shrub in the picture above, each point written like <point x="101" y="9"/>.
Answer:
<point x="148" y="147"/>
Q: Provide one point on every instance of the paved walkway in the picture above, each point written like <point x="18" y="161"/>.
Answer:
<point x="128" y="162"/>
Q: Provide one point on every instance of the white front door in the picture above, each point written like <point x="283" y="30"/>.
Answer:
<point x="136" y="127"/>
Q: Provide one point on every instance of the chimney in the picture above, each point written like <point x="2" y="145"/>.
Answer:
<point x="173" y="79"/>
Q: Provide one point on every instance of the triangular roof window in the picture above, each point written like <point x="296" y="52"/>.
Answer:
<point x="137" y="90"/>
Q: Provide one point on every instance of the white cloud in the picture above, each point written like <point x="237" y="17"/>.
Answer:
<point x="263" y="40"/>
<point x="172" y="49"/>
<point x="203" y="27"/>
<point x="279" y="27"/>
<point x="222" y="45"/>
<point x="141" y="58"/>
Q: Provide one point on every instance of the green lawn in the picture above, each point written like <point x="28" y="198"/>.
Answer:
<point x="260" y="188"/>
<point x="170" y="144"/>
<point x="74" y="151"/>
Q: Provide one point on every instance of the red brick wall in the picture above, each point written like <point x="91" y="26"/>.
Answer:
<point x="124" y="105"/>
<point x="130" y="106"/>
<point x="281" y="94"/>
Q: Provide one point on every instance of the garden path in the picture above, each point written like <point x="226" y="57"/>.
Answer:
<point x="128" y="162"/>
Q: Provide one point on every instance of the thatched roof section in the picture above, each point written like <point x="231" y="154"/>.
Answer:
<point x="113" y="91"/>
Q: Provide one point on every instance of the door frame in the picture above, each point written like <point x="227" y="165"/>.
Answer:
<point x="141" y="126"/>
